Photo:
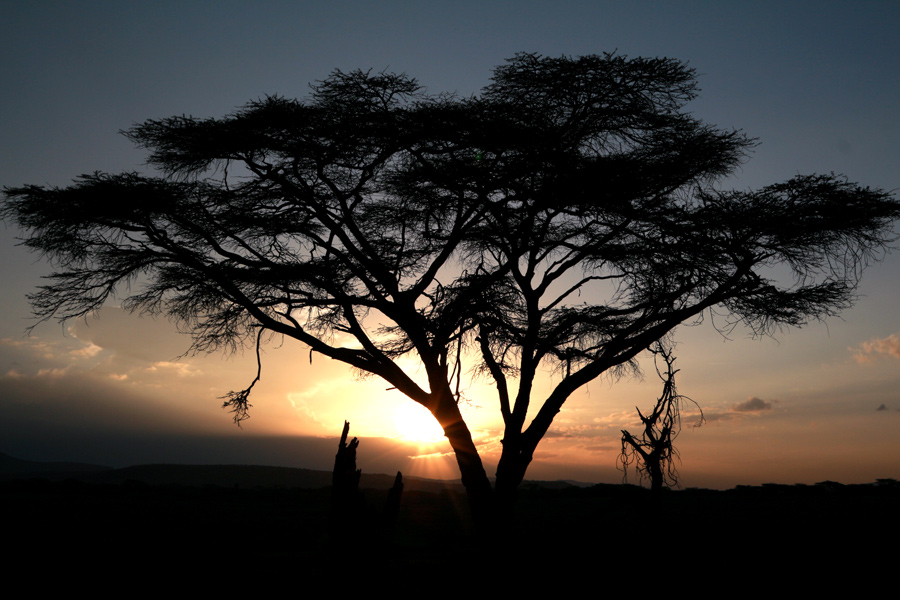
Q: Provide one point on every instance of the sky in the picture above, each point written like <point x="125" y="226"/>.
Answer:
<point x="815" y="82"/>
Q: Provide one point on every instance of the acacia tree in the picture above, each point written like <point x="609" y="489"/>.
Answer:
<point x="566" y="217"/>
<point x="653" y="453"/>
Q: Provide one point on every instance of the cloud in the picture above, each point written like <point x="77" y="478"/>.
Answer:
<point x="710" y="416"/>
<point x="178" y="369"/>
<point x="740" y="410"/>
<point x="752" y="404"/>
<point x="876" y="348"/>
<point x="299" y="401"/>
<point x="89" y="351"/>
<point x="32" y="347"/>
<point x="131" y="336"/>
<point x="56" y="372"/>
<point x="432" y="456"/>
<point x="589" y="432"/>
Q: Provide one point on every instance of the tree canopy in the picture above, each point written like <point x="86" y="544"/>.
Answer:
<point x="568" y="217"/>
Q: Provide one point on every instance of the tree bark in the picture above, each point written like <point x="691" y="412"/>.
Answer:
<point x="510" y="474"/>
<point x="656" y="476"/>
<point x="474" y="477"/>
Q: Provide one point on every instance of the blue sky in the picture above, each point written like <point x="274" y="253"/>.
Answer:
<point x="816" y="82"/>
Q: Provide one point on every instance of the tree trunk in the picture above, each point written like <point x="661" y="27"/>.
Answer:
<point x="655" y="469"/>
<point x="510" y="474"/>
<point x="474" y="477"/>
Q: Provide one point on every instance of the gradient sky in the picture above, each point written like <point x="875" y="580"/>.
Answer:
<point x="816" y="82"/>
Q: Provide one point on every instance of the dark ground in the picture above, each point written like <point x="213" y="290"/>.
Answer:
<point x="255" y="520"/>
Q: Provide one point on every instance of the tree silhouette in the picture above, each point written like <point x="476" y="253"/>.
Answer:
<point x="654" y="453"/>
<point x="566" y="218"/>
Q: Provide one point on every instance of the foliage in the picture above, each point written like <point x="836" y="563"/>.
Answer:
<point x="567" y="217"/>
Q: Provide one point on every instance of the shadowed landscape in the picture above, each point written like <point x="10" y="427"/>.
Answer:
<point x="275" y="518"/>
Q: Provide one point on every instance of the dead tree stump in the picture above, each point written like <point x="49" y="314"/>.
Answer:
<point x="346" y="499"/>
<point x="392" y="505"/>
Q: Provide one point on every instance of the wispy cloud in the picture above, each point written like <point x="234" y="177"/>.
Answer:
<point x="90" y="350"/>
<point x="56" y="372"/>
<point x="33" y="346"/>
<point x="179" y="369"/>
<point x="876" y="348"/>
<point x="431" y="456"/>
<point x="299" y="401"/>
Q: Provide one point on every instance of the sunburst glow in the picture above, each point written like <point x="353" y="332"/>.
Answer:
<point x="414" y="423"/>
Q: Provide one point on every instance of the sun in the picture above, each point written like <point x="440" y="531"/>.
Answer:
<point x="414" y="423"/>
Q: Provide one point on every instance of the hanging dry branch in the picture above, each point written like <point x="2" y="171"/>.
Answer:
<point x="654" y="454"/>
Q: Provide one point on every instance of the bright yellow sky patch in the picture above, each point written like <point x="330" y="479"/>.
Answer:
<point x="414" y="423"/>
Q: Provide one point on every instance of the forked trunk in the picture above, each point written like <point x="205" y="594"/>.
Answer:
<point x="510" y="474"/>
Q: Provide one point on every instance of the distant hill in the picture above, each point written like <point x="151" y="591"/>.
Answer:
<point x="13" y="468"/>
<point x="251" y="476"/>
<point x="246" y="476"/>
